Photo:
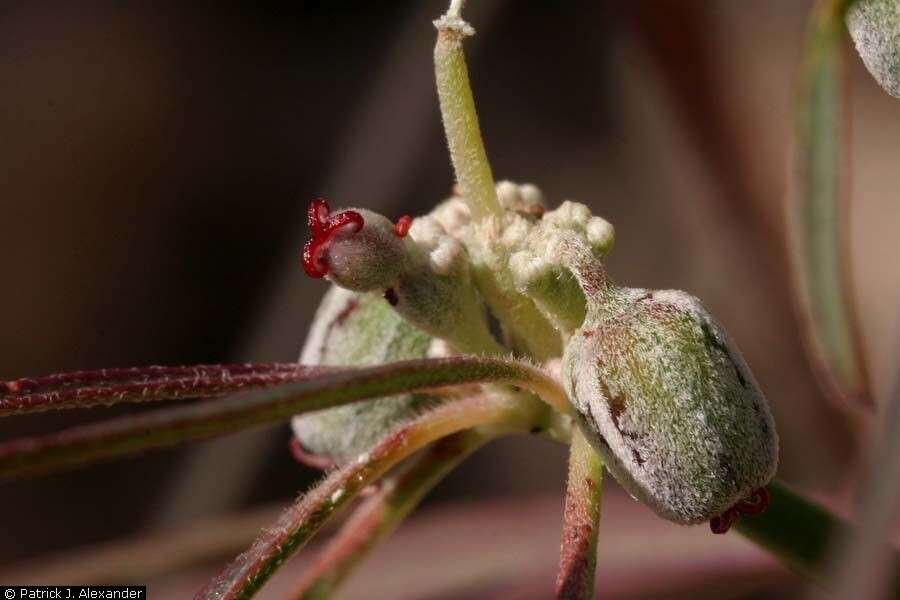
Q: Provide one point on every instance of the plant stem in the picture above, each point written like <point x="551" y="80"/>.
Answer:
<point x="397" y="495"/>
<point x="473" y="172"/>
<point x="455" y="10"/>
<point x="106" y="387"/>
<point x="248" y="572"/>
<point x="205" y="420"/>
<point x="578" y="558"/>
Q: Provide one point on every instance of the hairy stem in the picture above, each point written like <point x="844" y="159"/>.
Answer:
<point x="106" y="387"/>
<point x="578" y="557"/>
<point x="473" y="172"/>
<point x="378" y="516"/>
<point x="247" y="573"/>
<point x="205" y="420"/>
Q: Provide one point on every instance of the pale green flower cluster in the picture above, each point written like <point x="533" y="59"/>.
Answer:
<point x="660" y="391"/>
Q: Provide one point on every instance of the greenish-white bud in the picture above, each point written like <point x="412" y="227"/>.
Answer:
<point x="352" y="329"/>
<point x="541" y="268"/>
<point x="422" y="272"/>
<point x="667" y="400"/>
<point x="874" y="26"/>
<point x="359" y="250"/>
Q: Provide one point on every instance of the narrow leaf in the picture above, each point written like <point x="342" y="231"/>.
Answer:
<point x="169" y="427"/>
<point x="819" y="224"/>
<point x="105" y="387"/>
<point x="862" y="565"/>
<point x="398" y="494"/>
<point x="243" y="577"/>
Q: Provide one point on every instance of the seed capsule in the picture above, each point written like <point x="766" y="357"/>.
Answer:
<point x="874" y="26"/>
<point x="669" y="403"/>
<point x="359" y="330"/>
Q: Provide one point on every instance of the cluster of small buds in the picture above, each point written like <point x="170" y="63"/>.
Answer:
<point x="541" y="268"/>
<point x="657" y="386"/>
<point x="419" y="269"/>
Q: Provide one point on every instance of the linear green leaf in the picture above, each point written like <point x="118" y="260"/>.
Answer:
<point x="169" y="427"/>
<point x="398" y="494"/>
<point x="818" y="224"/>
<point x="247" y="573"/>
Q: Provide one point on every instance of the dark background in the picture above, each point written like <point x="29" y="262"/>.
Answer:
<point x="156" y="161"/>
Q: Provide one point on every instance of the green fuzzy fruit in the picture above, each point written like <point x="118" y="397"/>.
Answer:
<point x="352" y="329"/>
<point x="669" y="403"/>
<point x="874" y="26"/>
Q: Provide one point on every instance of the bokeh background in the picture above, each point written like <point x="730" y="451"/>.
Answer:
<point x="156" y="160"/>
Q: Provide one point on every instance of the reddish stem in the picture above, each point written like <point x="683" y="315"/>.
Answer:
<point x="81" y="389"/>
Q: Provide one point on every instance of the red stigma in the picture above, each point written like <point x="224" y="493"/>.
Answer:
<point x="754" y="504"/>
<point x="323" y="226"/>
<point x="722" y="523"/>
<point x="305" y="457"/>
<point x="402" y="226"/>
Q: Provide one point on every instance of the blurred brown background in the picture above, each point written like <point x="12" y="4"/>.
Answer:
<point x="155" y="165"/>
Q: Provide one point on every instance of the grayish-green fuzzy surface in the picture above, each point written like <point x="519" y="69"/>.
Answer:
<point x="352" y="329"/>
<point x="369" y="259"/>
<point x="668" y="402"/>
<point x="874" y="26"/>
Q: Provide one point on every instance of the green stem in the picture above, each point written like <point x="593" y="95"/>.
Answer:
<point x="800" y="533"/>
<point x="578" y="558"/>
<point x="397" y="496"/>
<point x="248" y="572"/>
<point x="205" y="420"/>
<point x="473" y="172"/>
<point x="527" y="328"/>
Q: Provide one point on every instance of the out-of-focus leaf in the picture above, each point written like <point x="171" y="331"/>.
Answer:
<point x="863" y="565"/>
<point x="795" y="530"/>
<point x="800" y="533"/>
<point x="818" y="222"/>
<point x="205" y="420"/>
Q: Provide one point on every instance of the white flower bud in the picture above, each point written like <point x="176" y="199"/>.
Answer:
<point x="357" y="249"/>
<point x="421" y="272"/>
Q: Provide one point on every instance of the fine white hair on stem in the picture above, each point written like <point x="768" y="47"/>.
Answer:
<point x="456" y="7"/>
<point x="467" y="153"/>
